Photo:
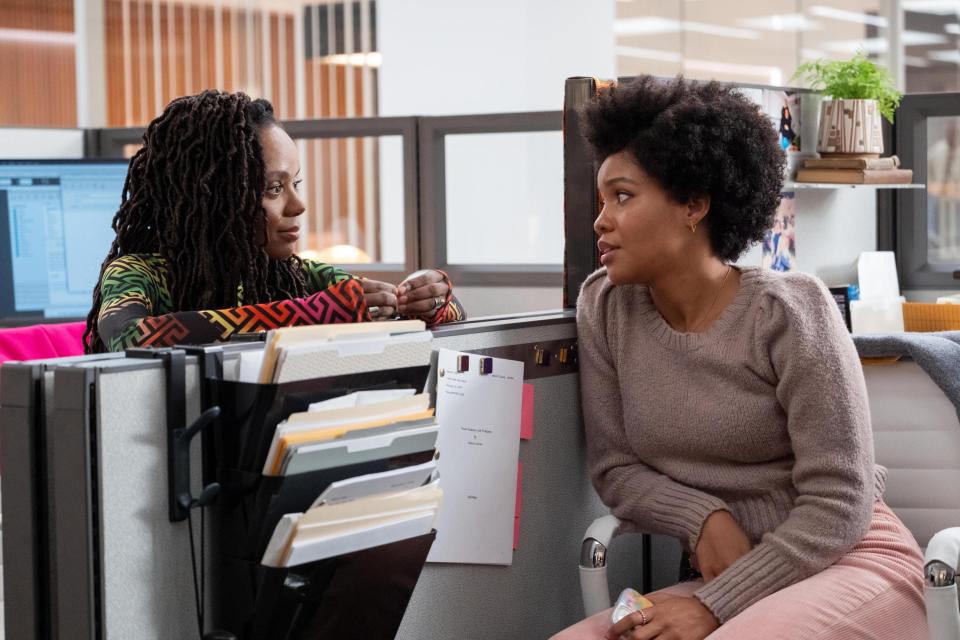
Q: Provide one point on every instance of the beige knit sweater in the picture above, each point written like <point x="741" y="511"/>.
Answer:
<point x="764" y="415"/>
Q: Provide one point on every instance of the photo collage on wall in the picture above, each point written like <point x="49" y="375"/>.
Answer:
<point x="780" y="242"/>
<point x="782" y="108"/>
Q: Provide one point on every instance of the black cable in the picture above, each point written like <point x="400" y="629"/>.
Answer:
<point x="293" y="622"/>
<point x="203" y="569"/>
<point x="193" y="561"/>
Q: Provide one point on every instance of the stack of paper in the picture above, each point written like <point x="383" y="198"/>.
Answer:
<point x="479" y="402"/>
<point x="333" y="437"/>
<point x="329" y="530"/>
<point x="387" y="431"/>
<point x="300" y="353"/>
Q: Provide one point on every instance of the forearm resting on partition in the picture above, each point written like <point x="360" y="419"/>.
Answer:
<point x="126" y="326"/>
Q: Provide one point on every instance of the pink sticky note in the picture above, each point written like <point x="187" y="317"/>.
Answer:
<point x="526" y="412"/>
<point x="516" y="514"/>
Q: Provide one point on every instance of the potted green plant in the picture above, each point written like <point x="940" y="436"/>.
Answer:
<point x="860" y="92"/>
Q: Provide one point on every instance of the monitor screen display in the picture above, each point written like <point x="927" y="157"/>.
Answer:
<point x="55" y="218"/>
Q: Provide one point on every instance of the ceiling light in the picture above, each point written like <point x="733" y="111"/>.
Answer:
<point x="648" y="54"/>
<point x="848" y="16"/>
<point x="650" y="25"/>
<point x="868" y="45"/>
<point x="646" y="26"/>
<point x="781" y="22"/>
<point x="881" y="45"/>
<point x="66" y="38"/>
<point x="947" y="55"/>
<point x="372" y="59"/>
<point x="914" y="38"/>
<point x="767" y="75"/>
<point x="936" y="7"/>
<point x="812" y="54"/>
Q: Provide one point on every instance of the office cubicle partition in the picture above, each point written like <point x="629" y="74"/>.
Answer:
<point x="121" y="569"/>
<point x="110" y="143"/>
<point x="424" y="184"/>
<point x="32" y="440"/>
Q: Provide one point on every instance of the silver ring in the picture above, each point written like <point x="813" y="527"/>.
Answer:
<point x="374" y="311"/>
<point x="438" y="302"/>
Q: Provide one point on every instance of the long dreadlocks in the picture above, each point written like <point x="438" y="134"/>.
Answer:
<point x="193" y="195"/>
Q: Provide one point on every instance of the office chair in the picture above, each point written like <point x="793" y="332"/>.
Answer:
<point x="917" y="437"/>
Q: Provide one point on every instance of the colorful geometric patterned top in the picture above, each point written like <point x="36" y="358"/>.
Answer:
<point x="136" y="308"/>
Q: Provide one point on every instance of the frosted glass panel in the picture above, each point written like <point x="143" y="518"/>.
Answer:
<point x="354" y="194"/>
<point x="505" y="198"/>
<point x="943" y="190"/>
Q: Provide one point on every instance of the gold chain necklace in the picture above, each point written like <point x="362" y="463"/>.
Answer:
<point x="712" y="304"/>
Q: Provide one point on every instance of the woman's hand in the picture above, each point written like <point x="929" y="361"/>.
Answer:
<point x="721" y="543"/>
<point x="422" y="293"/>
<point x="381" y="299"/>
<point x="670" y="618"/>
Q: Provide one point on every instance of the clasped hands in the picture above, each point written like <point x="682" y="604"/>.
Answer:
<point x="721" y="543"/>
<point x="418" y="295"/>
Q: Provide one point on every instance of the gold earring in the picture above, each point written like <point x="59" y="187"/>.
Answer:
<point x="693" y="227"/>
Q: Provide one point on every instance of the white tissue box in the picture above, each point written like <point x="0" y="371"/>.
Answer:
<point x="883" y="315"/>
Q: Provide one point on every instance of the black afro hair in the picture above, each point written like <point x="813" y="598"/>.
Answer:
<point x="696" y="139"/>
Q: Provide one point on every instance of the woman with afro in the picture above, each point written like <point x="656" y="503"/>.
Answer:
<point x="725" y="406"/>
<point x="206" y="233"/>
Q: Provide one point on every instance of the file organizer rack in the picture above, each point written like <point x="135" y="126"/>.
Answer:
<point x="316" y="600"/>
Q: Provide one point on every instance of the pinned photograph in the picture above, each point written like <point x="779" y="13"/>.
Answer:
<point x="780" y="242"/>
<point x="783" y="110"/>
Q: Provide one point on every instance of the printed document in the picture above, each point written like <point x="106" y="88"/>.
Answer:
<point x="478" y="408"/>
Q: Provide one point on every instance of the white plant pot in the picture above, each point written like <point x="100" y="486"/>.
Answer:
<point x="850" y="127"/>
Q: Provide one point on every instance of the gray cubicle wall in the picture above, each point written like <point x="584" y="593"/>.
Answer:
<point x="26" y="428"/>
<point x="19" y="431"/>
<point x="123" y="570"/>
<point x="132" y="578"/>
<point x="539" y="593"/>
<point x="61" y="476"/>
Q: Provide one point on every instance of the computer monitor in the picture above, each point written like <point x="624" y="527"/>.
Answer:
<point x="55" y="218"/>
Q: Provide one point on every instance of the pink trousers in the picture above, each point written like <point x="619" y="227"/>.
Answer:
<point x="874" y="592"/>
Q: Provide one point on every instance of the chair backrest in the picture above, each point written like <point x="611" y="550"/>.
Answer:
<point x="41" y="341"/>
<point x="917" y="437"/>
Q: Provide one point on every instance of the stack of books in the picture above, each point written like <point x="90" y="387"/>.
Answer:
<point x="854" y="170"/>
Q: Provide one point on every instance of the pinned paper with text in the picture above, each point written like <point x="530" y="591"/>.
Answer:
<point x="478" y="408"/>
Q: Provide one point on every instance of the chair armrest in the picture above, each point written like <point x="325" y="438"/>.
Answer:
<point x="942" y="558"/>
<point x="596" y="540"/>
<point x="940" y="589"/>
<point x="593" y="564"/>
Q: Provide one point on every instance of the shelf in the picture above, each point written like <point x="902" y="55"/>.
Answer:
<point x="799" y="186"/>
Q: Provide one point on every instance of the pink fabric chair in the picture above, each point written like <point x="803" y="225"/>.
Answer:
<point x="41" y="341"/>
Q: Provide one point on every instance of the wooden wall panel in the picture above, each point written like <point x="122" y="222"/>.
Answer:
<point x="172" y="51"/>
<point x="113" y="32"/>
<point x="38" y="70"/>
<point x="37" y="15"/>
